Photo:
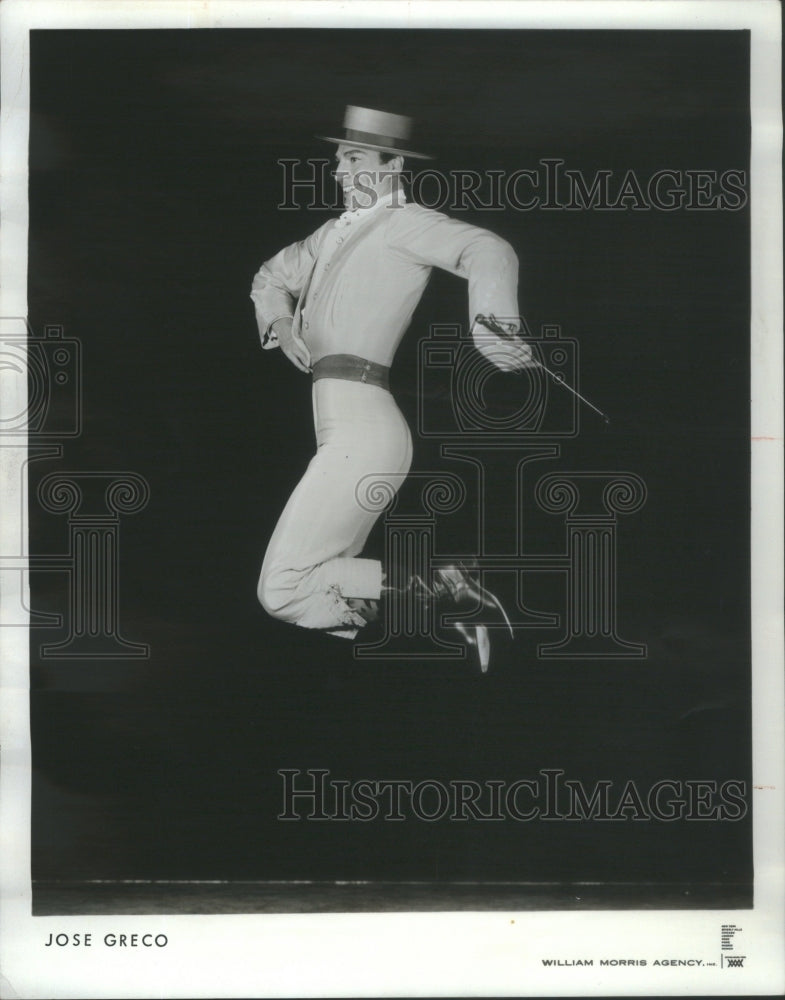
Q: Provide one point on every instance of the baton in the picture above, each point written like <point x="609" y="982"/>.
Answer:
<point x="492" y="324"/>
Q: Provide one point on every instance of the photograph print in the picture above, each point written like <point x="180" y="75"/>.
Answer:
<point x="392" y="476"/>
<point x="389" y="485"/>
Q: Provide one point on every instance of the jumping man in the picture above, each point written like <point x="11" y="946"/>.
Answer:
<point x="337" y="305"/>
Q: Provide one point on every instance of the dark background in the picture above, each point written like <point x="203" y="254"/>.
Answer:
<point x="153" y="193"/>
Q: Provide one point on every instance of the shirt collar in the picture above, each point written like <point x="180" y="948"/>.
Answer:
<point x="358" y="215"/>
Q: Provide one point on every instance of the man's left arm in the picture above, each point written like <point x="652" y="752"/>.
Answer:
<point x="490" y="266"/>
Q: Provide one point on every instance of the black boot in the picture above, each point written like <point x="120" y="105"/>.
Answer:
<point x="455" y="588"/>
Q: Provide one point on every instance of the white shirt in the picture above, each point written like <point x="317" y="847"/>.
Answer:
<point x="351" y="286"/>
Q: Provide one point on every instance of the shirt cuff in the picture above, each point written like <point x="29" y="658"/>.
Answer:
<point x="270" y="337"/>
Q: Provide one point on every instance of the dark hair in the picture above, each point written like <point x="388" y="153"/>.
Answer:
<point x="386" y="157"/>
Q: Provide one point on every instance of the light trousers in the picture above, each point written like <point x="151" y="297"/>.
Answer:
<point x="311" y="566"/>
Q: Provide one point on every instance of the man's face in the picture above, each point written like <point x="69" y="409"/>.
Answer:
<point x="362" y="175"/>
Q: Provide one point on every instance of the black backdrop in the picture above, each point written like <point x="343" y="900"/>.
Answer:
<point x="153" y="193"/>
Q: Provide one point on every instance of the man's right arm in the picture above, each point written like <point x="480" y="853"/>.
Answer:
<point x="277" y="286"/>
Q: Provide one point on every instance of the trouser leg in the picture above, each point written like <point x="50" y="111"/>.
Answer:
<point x="311" y="566"/>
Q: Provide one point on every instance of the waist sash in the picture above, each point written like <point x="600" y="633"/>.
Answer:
<point x="352" y="369"/>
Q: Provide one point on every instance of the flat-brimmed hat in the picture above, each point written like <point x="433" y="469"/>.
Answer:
<point x="366" y="128"/>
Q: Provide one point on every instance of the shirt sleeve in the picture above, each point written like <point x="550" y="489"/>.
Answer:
<point x="488" y="262"/>
<point x="278" y="283"/>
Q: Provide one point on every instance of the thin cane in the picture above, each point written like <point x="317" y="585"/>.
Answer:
<point x="492" y="324"/>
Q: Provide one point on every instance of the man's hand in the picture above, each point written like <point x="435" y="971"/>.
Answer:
<point x="500" y="344"/>
<point x="509" y="355"/>
<point x="292" y="346"/>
